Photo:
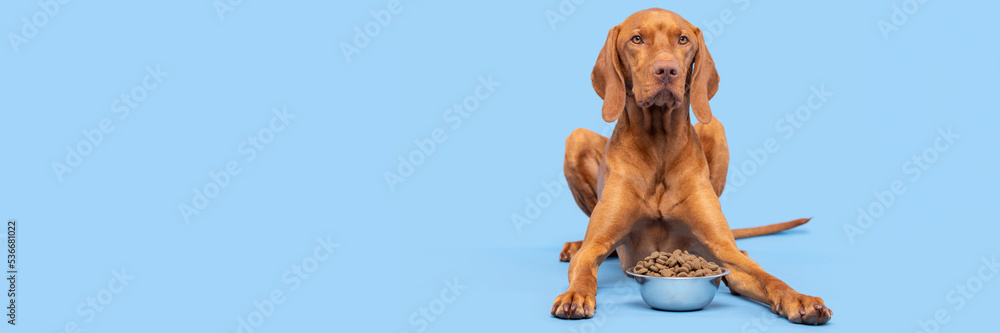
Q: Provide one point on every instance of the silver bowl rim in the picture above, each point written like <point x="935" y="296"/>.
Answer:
<point x="632" y="274"/>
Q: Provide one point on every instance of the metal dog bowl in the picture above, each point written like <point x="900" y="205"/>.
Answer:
<point x="678" y="293"/>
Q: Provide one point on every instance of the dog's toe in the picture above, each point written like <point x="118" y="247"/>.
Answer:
<point x="573" y="305"/>
<point x="568" y="250"/>
<point x="804" y="309"/>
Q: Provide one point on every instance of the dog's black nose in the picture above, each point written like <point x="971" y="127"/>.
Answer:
<point x="666" y="70"/>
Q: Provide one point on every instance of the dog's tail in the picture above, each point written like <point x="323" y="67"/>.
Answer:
<point x="768" y="229"/>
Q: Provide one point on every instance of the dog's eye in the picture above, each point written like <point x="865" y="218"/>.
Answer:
<point x="636" y="39"/>
<point x="683" y="40"/>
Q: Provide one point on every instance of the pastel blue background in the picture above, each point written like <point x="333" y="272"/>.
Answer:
<point x="451" y="219"/>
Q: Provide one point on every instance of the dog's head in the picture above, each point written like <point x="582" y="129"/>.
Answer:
<point x="659" y="59"/>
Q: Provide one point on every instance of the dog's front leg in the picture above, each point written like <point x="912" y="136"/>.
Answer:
<point x="610" y="221"/>
<point x="703" y="215"/>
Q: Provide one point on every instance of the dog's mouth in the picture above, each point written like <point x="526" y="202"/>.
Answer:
<point x="660" y="97"/>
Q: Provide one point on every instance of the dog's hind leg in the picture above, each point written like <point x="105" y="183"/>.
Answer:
<point x="584" y="150"/>
<point x="568" y="250"/>
<point x="713" y="142"/>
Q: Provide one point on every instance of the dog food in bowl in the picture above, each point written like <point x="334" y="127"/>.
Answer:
<point x="676" y="264"/>
<point x="677" y="281"/>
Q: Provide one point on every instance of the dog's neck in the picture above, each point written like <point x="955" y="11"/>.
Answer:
<point x="656" y="123"/>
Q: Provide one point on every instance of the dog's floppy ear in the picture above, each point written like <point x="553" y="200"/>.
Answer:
<point x="608" y="80"/>
<point x="704" y="82"/>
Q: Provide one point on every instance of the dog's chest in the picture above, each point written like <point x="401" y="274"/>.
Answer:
<point x="662" y="196"/>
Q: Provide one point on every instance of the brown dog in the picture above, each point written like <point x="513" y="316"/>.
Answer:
<point x="654" y="185"/>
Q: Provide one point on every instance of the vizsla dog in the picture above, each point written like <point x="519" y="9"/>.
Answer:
<point x="654" y="185"/>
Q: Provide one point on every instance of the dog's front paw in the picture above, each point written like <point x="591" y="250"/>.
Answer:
<point x="803" y="309"/>
<point x="574" y="305"/>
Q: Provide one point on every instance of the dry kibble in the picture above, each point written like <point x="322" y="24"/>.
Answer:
<point x="672" y="261"/>
<point x="676" y="264"/>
